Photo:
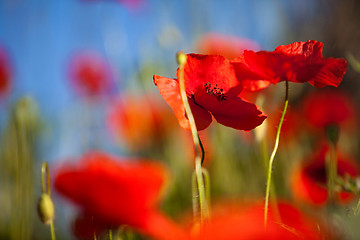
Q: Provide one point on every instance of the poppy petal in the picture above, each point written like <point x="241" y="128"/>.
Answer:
<point x="212" y="69"/>
<point x="298" y="62"/>
<point x="331" y="73"/>
<point x="232" y="112"/>
<point x="169" y="90"/>
<point x="250" y="80"/>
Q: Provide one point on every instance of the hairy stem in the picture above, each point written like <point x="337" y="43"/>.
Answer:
<point x="198" y="159"/>
<point x="272" y="157"/>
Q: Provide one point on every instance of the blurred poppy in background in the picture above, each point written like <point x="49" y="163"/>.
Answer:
<point x="212" y="90"/>
<point x="329" y="107"/>
<point x="141" y="121"/>
<point x="5" y="73"/>
<point x="309" y="180"/>
<point x="225" y="45"/>
<point x="118" y="192"/>
<point x="90" y="74"/>
<point x="130" y="4"/>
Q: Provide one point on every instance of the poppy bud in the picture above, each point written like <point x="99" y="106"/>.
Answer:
<point x="181" y="57"/>
<point x="46" y="208"/>
<point x="332" y="133"/>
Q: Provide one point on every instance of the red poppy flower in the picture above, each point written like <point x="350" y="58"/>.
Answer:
<point x="239" y="222"/>
<point x="142" y="121"/>
<point x="309" y="182"/>
<point x="117" y="192"/>
<point x="212" y="90"/>
<point x="298" y="62"/>
<point x="5" y="73"/>
<point x="326" y="108"/>
<point x="90" y="74"/>
<point x="224" y="45"/>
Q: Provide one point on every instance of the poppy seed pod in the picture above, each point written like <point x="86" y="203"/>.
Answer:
<point x="46" y="209"/>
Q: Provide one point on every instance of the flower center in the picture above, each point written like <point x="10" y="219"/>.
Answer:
<point x="215" y="91"/>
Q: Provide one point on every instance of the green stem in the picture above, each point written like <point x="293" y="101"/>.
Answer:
<point x="110" y="234"/>
<point x="207" y="185"/>
<point x="202" y="151"/>
<point x="271" y="160"/>
<point x="198" y="172"/>
<point x="273" y="197"/>
<point x="46" y="189"/>
<point x="357" y="209"/>
<point x="332" y="173"/>
<point x="52" y="230"/>
<point x="45" y="178"/>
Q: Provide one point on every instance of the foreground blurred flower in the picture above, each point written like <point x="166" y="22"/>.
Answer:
<point x="5" y="73"/>
<point x="309" y="181"/>
<point x="90" y="74"/>
<point x="212" y="90"/>
<point x="141" y="121"/>
<point x="117" y="192"/>
<point x="239" y="222"/>
<point x="298" y="62"/>
<point x="225" y="45"/>
<point x="326" y="108"/>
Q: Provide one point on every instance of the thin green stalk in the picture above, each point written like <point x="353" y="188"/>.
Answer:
<point x="110" y="234"/>
<point x="273" y="197"/>
<point x="332" y="173"/>
<point x="46" y="189"/>
<point x="198" y="172"/>
<point x="207" y="186"/>
<point x="271" y="160"/>
<point x="45" y="178"/>
<point x="52" y="230"/>
<point x="357" y="209"/>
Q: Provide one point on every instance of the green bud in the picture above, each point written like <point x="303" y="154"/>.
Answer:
<point x="332" y="133"/>
<point x="46" y="209"/>
<point x="181" y="58"/>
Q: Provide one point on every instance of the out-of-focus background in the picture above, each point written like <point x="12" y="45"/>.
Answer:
<point x="43" y="43"/>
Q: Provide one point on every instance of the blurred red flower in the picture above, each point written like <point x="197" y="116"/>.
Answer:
<point x="291" y="127"/>
<point x="5" y="73"/>
<point x="212" y="90"/>
<point x="239" y="222"/>
<point x="298" y="62"/>
<point x="90" y="74"/>
<point x="142" y="122"/>
<point x="85" y="226"/>
<point x="325" y="108"/>
<point x="130" y="4"/>
<point x="225" y="45"/>
<point x="118" y="192"/>
<point x="309" y="181"/>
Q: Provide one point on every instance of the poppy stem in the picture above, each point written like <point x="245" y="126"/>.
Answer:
<point x="271" y="160"/>
<point x="202" y="151"/>
<point x="45" y="179"/>
<point x="181" y="58"/>
<point x="332" y="173"/>
<point x="110" y="234"/>
<point x="46" y="189"/>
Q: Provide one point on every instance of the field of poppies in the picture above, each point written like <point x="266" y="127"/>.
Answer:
<point x="228" y="140"/>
